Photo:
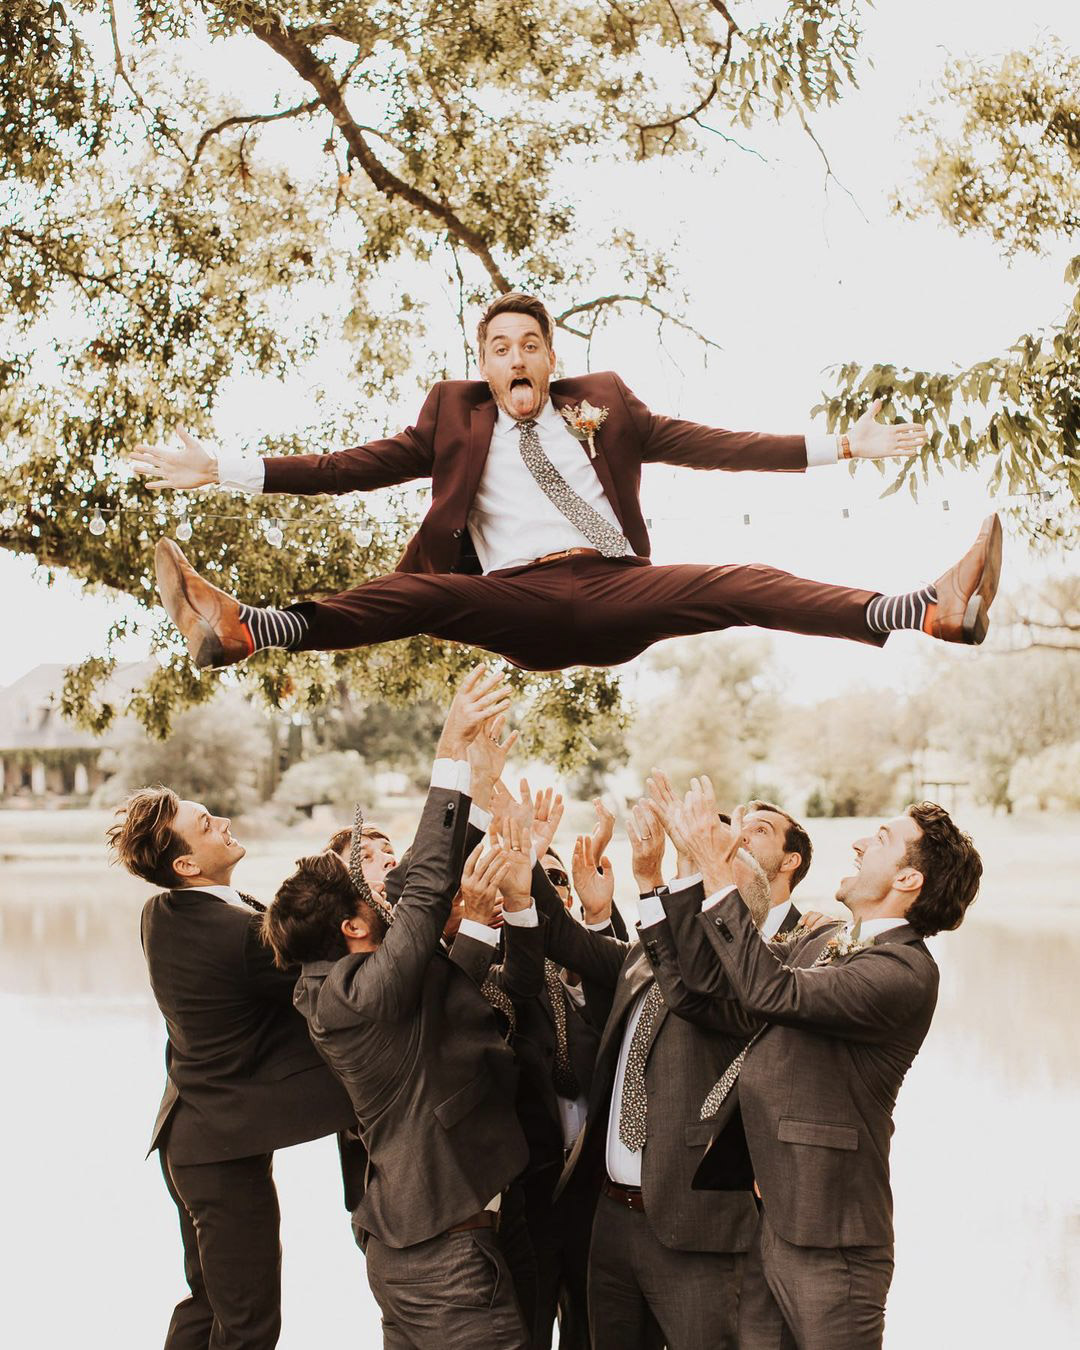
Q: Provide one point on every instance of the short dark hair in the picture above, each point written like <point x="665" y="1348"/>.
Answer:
<point x="304" y="921"/>
<point x="342" y="839"/>
<point x="796" y="840"/>
<point x="516" y="302"/>
<point x="144" y="840"/>
<point x="951" y="869"/>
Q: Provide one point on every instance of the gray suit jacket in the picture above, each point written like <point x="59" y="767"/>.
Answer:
<point x="817" y="1089"/>
<point x="683" y="1063"/>
<point x="420" y="1053"/>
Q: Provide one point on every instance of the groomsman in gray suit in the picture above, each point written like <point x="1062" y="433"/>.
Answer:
<point x="422" y="1057"/>
<point x="830" y="1028"/>
<point x="664" y="1261"/>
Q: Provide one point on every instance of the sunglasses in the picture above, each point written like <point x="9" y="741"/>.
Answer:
<point x="556" y="877"/>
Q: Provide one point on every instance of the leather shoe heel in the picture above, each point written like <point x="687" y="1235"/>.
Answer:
<point x="966" y="592"/>
<point x="208" y="618"/>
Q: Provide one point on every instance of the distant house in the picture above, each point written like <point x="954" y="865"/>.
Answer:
<point x="44" y="760"/>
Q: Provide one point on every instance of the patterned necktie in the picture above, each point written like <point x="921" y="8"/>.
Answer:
<point x="500" y="1000"/>
<point x="356" y="872"/>
<point x="610" y="541"/>
<point x="634" y="1106"/>
<point x="727" y="1080"/>
<point x="251" y="902"/>
<point x="562" y="1074"/>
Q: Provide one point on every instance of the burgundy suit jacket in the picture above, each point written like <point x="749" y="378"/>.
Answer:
<point x="450" y="442"/>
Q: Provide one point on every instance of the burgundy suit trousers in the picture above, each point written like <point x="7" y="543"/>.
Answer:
<point x="582" y="610"/>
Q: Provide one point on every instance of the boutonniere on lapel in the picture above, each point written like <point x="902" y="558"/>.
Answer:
<point x="845" y="943"/>
<point x="583" y="422"/>
<point x="791" y="935"/>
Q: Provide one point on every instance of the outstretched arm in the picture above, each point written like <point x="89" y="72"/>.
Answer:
<point x="382" y="463"/>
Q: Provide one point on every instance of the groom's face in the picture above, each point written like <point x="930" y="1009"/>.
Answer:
<point x="518" y="364"/>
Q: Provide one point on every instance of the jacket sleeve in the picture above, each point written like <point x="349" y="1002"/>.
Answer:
<point x="521" y="971"/>
<point x="386" y="985"/>
<point x="596" y="958"/>
<point x="473" y="956"/>
<point x="710" y="1012"/>
<point x="865" y="997"/>
<point x="397" y="459"/>
<point x="668" y="440"/>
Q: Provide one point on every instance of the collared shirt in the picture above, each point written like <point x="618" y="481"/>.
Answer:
<point x="226" y="893"/>
<point x="511" y="520"/>
<point x="870" y="927"/>
<point x="774" y="919"/>
<point x="623" y="1165"/>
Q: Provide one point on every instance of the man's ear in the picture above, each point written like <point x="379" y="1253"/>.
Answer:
<point x="356" y="927"/>
<point x="791" y="862"/>
<point x="185" y="867"/>
<point x="909" y="880"/>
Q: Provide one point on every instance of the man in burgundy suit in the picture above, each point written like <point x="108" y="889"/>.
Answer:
<point x="534" y="545"/>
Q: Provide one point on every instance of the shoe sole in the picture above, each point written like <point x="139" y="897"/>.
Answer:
<point x="977" y="610"/>
<point x="204" y="645"/>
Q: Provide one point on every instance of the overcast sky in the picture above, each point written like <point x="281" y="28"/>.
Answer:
<point x="789" y="279"/>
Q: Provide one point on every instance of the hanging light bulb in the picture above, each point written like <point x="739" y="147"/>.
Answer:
<point x="183" y="530"/>
<point x="99" y="466"/>
<point x="274" y="534"/>
<point x="97" y="522"/>
<point x="363" y="535"/>
<point x="8" y="517"/>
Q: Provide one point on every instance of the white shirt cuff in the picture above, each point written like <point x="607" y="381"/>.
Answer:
<point x="480" y="818"/>
<point x="242" y="471"/>
<point x="711" y="900"/>
<point x="821" y="448"/>
<point x="598" y="927"/>
<point x="480" y="931"/>
<point x="650" y="910"/>
<point x="684" y="883"/>
<point x="452" y="774"/>
<point x="522" y="918"/>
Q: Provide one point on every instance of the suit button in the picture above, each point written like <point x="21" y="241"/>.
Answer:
<point x="456" y="534"/>
<point x="725" y="931"/>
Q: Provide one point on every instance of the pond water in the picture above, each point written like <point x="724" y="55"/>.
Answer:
<point x="987" y="1187"/>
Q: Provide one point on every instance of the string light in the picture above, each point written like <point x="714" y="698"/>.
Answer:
<point x="99" y="466"/>
<point x="8" y="517"/>
<point x="97" y="522"/>
<point x="183" y="530"/>
<point x="363" y="535"/>
<point x="274" y="534"/>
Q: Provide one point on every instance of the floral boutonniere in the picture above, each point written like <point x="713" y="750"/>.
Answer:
<point x="845" y="943"/>
<point x="583" y="422"/>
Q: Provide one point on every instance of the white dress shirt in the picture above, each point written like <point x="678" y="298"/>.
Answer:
<point x="774" y="919"/>
<point x="227" y="893"/>
<point x="623" y="1165"/>
<point x="572" y="1114"/>
<point x="511" y="520"/>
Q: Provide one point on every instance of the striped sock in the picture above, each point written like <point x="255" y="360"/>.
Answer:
<point x="273" y="627"/>
<point x="887" y="613"/>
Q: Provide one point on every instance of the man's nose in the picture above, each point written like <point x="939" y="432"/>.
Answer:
<point x="860" y="846"/>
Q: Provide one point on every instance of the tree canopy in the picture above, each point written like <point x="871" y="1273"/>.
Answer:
<point x="168" y="231"/>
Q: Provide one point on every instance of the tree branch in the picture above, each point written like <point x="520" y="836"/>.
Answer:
<point x="250" y="119"/>
<point x="121" y="70"/>
<point x="611" y="301"/>
<point x="319" y="75"/>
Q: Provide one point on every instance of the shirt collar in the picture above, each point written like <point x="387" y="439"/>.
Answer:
<point x="774" y="919"/>
<point x="504" y="423"/>
<point x="872" y="927"/>
<point x="227" y="893"/>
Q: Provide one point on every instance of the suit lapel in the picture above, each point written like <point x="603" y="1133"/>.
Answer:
<point x="598" y="460"/>
<point x="481" y="425"/>
<point x="791" y="919"/>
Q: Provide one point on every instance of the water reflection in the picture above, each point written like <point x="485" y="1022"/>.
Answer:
<point x="987" y="1191"/>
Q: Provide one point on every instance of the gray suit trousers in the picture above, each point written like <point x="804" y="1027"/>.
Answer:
<point x="452" y="1292"/>
<point x="813" y="1298"/>
<point x="643" y="1295"/>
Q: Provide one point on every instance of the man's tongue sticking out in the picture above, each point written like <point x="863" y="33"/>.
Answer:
<point x="522" y="398"/>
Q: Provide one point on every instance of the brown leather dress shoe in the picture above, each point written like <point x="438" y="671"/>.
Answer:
<point x="208" y="618"/>
<point x="967" y="590"/>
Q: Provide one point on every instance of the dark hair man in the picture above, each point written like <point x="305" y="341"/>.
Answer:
<point x="535" y="484"/>
<point x="424" y="1061"/>
<point x="243" y="1078"/>
<point x="783" y="849"/>
<point x="377" y="856"/>
<point x="831" y="1030"/>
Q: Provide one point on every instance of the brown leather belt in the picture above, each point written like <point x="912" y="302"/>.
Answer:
<point x="628" y="1196"/>
<point x="568" y="553"/>
<point x="487" y="1218"/>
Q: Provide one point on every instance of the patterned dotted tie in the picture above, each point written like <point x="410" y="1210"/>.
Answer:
<point x="562" y="1075"/>
<point x="251" y="902"/>
<point x="500" y="1000"/>
<point x="633" y="1108"/>
<point x="356" y="871"/>
<point x="610" y="541"/>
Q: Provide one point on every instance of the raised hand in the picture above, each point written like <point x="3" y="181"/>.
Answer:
<point x="594" y="881"/>
<point x="547" y="815"/>
<point x="487" y="759"/>
<point x="192" y="466"/>
<point x="712" y="844"/>
<point x="647" y="843"/>
<point x="480" y="696"/>
<point x="668" y="809"/>
<point x="604" y="828"/>
<point x="513" y="832"/>
<point x="485" y="870"/>
<point x="871" y="439"/>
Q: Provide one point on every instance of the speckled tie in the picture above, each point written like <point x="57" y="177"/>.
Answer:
<point x="500" y="1000"/>
<point x="251" y="902"/>
<point x="356" y="872"/>
<point x="602" y="535"/>
<point x="562" y="1074"/>
<point x="633" y="1109"/>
